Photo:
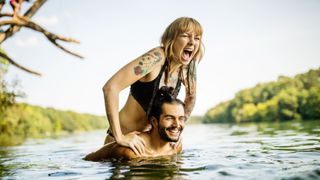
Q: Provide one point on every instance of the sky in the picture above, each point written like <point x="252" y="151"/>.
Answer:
<point x="246" y="42"/>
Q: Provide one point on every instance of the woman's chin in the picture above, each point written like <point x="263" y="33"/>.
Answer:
<point x="185" y="61"/>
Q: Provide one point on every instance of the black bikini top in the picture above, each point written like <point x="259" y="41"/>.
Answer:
<point x="144" y="92"/>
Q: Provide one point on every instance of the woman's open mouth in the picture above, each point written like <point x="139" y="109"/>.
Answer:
<point x="187" y="55"/>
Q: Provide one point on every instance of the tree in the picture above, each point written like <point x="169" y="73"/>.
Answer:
<point x="24" y="21"/>
<point x="7" y="96"/>
<point x="310" y="104"/>
<point x="284" y="99"/>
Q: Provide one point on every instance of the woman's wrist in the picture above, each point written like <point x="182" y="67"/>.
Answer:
<point x="118" y="137"/>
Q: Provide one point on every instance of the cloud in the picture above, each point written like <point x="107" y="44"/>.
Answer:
<point x="47" y="21"/>
<point x="26" y="41"/>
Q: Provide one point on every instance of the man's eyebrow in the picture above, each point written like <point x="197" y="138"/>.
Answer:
<point x="169" y="115"/>
<point x="172" y="116"/>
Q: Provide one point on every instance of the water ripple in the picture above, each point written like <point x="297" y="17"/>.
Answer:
<point x="254" y="151"/>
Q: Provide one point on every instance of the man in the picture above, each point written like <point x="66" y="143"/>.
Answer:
<point x="167" y="118"/>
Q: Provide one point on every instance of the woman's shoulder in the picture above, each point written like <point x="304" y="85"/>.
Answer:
<point x="158" y="49"/>
<point x="157" y="54"/>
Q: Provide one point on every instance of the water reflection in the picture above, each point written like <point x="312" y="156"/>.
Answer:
<point x="309" y="127"/>
<point x="5" y="155"/>
<point x="286" y="136"/>
<point x="166" y="167"/>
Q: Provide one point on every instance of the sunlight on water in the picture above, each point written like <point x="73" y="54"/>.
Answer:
<point x="247" y="151"/>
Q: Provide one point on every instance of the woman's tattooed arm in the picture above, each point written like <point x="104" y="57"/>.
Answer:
<point x="146" y="62"/>
<point x="191" y="85"/>
<point x="189" y="102"/>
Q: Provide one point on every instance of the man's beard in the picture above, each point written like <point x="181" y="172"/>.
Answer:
<point x="164" y="136"/>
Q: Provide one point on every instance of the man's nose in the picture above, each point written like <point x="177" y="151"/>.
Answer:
<point x="176" y="122"/>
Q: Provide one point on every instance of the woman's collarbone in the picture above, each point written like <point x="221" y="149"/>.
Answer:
<point x="172" y="80"/>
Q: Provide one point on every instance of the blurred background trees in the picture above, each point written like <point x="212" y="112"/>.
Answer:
<point x="282" y="100"/>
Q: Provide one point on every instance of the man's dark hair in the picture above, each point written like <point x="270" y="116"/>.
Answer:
<point x="164" y="95"/>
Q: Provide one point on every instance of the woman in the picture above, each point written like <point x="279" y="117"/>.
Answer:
<point x="171" y="64"/>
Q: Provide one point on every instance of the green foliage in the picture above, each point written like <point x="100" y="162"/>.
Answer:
<point x="7" y="97"/>
<point x="195" y="120"/>
<point x="3" y="62"/>
<point x="283" y="100"/>
<point x="22" y="121"/>
<point x="310" y="103"/>
<point x="218" y="114"/>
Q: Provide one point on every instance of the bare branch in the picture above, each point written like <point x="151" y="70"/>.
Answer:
<point x="53" y="37"/>
<point x="17" y="22"/>
<point x="21" y="21"/>
<point x="64" y="49"/>
<point x="34" y="8"/>
<point x="29" y="13"/>
<point x="12" y="22"/>
<point x="17" y="65"/>
<point x="6" y="14"/>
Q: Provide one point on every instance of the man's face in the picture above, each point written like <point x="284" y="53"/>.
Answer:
<point x="171" y="122"/>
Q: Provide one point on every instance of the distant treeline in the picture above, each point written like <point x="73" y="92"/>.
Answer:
<point x="285" y="99"/>
<point x="21" y="121"/>
<point x="194" y="120"/>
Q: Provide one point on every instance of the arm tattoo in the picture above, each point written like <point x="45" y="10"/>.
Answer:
<point x="190" y="98"/>
<point x="147" y="61"/>
<point x="189" y="104"/>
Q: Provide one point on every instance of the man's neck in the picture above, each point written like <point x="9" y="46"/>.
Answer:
<point x="157" y="143"/>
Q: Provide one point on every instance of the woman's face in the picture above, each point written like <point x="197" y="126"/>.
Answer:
<point x="186" y="46"/>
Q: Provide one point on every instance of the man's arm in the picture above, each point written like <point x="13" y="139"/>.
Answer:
<point x="111" y="150"/>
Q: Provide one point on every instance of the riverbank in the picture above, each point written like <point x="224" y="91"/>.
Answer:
<point x="22" y="121"/>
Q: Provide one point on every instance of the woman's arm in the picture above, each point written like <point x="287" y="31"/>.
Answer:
<point x="190" y="82"/>
<point x="126" y="76"/>
<point x="189" y="102"/>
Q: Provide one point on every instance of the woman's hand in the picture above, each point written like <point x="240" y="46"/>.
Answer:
<point x="133" y="141"/>
<point x="177" y="145"/>
<point x="147" y="128"/>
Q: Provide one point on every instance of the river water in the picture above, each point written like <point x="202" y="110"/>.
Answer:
<point x="288" y="150"/>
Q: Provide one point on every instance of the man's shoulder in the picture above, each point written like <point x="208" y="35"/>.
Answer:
<point x="111" y="150"/>
<point x="124" y="152"/>
<point x="127" y="152"/>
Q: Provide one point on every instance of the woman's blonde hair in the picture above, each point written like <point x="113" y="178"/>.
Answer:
<point x="177" y="27"/>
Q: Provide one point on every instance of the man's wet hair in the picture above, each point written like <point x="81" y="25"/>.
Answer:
<point x="164" y="95"/>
